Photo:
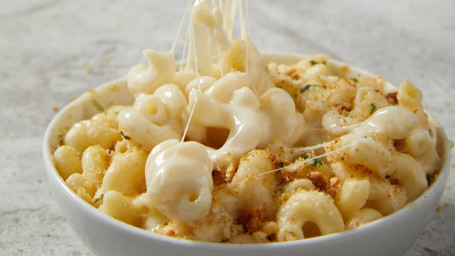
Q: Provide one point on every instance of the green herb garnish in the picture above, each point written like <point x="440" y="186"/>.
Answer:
<point x="126" y="137"/>
<point x="312" y="62"/>
<point x="353" y="79"/>
<point x="316" y="162"/>
<point x="99" y="198"/>
<point x="305" y="156"/>
<point x="372" y="108"/>
<point x="281" y="164"/>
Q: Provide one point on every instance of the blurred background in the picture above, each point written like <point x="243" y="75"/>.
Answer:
<point x="52" y="51"/>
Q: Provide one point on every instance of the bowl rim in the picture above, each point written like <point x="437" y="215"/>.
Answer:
<point x="53" y="174"/>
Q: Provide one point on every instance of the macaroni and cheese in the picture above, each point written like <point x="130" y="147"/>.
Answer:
<point x="233" y="149"/>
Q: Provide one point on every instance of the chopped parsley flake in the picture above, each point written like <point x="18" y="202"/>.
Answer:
<point x="312" y="62"/>
<point x="281" y="164"/>
<point x="372" y="108"/>
<point x="317" y="162"/>
<point x="353" y="79"/>
<point x="126" y="137"/>
<point x="305" y="156"/>
<point x="99" y="198"/>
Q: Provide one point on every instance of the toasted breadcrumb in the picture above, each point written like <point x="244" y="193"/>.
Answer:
<point x="252" y="218"/>
<point x="319" y="180"/>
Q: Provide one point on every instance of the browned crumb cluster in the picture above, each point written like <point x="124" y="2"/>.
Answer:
<point x="252" y="218"/>
<point x="319" y="180"/>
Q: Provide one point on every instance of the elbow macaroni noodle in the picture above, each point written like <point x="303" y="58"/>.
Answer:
<point x="233" y="149"/>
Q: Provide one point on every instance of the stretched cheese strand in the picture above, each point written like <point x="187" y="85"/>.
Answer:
<point x="178" y="174"/>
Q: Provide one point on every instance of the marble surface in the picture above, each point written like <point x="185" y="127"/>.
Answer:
<point x="53" y="50"/>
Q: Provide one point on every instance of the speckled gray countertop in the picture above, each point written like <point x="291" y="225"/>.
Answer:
<point x="53" y="50"/>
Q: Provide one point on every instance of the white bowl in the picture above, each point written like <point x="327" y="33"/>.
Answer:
<point x="391" y="235"/>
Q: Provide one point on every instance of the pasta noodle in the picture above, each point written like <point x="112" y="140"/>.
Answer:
<point x="305" y="206"/>
<point x="232" y="148"/>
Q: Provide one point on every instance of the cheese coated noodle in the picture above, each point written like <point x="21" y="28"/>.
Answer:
<point x="305" y="206"/>
<point x="181" y="189"/>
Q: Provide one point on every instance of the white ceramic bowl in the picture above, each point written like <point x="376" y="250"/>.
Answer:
<point x="391" y="235"/>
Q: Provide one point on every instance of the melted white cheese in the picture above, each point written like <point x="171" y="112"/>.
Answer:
<point x="179" y="179"/>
